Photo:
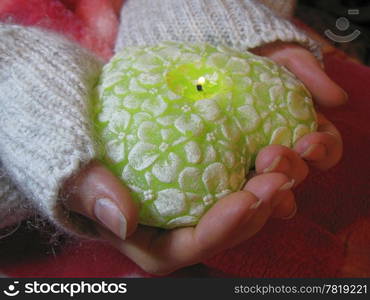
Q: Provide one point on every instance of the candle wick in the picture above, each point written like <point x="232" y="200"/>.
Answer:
<point x="201" y="81"/>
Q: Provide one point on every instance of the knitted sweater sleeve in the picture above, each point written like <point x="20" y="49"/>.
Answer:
<point x="13" y="205"/>
<point x="240" y="24"/>
<point x="45" y="84"/>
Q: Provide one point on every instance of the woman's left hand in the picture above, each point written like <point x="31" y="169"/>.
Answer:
<point x="322" y="149"/>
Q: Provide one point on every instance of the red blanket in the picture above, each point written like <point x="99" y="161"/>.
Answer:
<point x="329" y="235"/>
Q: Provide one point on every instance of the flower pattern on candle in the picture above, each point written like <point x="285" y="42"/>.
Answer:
<point x="180" y="154"/>
<point x="163" y="147"/>
<point x="186" y="108"/>
<point x="210" y="137"/>
<point x="148" y="195"/>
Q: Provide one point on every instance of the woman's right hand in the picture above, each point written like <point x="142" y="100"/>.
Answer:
<point x="100" y="196"/>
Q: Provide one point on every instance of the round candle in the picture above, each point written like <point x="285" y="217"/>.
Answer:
<point x="182" y="124"/>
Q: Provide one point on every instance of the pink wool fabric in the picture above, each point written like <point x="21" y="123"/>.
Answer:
<point x="55" y="15"/>
<point x="333" y="206"/>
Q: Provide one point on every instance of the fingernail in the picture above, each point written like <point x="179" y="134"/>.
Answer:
<point x="315" y="152"/>
<point x="256" y="205"/>
<point x="109" y="214"/>
<point x="292" y="214"/>
<point x="309" y="150"/>
<point x="287" y="186"/>
<point x="277" y="161"/>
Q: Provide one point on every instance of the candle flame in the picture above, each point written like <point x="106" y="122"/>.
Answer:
<point x="201" y="80"/>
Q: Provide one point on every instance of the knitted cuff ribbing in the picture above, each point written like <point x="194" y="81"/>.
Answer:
<point x="45" y="81"/>
<point x="242" y="25"/>
<point x="13" y="205"/>
<point x="282" y="8"/>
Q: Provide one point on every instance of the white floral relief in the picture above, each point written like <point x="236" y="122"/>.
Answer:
<point x="119" y="89"/>
<point x="149" y="152"/>
<point x="230" y="129"/>
<point x="298" y="107"/>
<point x="131" y="101"/>
<point x="273" y="121"/>
<point x="163" y="147"/>
<point x="237" y="178"/>
<point x="167" y="169"/>
<point x="184" y="155"/>
<point x="189" y="124"/>
<point x="135" y="87"/>
<point x="148" y="195"/>
<point x="110" y="106"/>
<point x="190" y="180"/>
<point x="170" y="202"/>
<point x="237" y="65"/>
<point x="111" y="79"/>
<point x="300" y="131"/>
<point x="142" y="155"/>
<point x="208" y="109"/>
<point x="117" y="126"/>
<point x="215" y="178"/>
<point x="185" y="108"/>
<point x="248" y="118"/>
<point x="154" y="105"/>
<point x="218" y="60"/>
<point x="210" y="137"/>
<point x="209" y="154"/>
<point x="179" y="221"/>
<point x="192" y="152"/>
<point x="281" y="136"/>
<point x="197" y="209"/>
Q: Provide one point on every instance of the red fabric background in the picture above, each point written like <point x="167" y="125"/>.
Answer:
<point x="330" y="232"/>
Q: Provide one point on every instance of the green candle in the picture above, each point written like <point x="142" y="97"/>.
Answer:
<point x="182" y="124"/>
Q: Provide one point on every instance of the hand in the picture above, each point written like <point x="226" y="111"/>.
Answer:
<point x="102" y="17"/>
<point x="322" y="149"/>
<point x="233" y="219"/>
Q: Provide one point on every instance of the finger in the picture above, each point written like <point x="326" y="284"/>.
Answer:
<point x="307" y="68"/>
<point x="287" y="207"/>
<point x="322" y="149"/>
<point x="277" y="158"/>
<point x="97" y="194"/>
<point x="161" y="252"/>
<point x="240" y="214"/>
<point x="267" y="187"/>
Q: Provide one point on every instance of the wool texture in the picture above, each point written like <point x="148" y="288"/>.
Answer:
<point x="45" y="85"/>
<point x="13" y="205"/>
<point x="282" y="8"/>
<point x="45" y="134"/>
<point x="239" y="24"/>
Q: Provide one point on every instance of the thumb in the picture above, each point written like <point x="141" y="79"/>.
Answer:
<point x="99" y="195"/>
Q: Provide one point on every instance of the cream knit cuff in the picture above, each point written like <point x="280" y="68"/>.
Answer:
<point x="240" y="24"/>
<point x="45" y="82"/>
<point x="14" y="207"/>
